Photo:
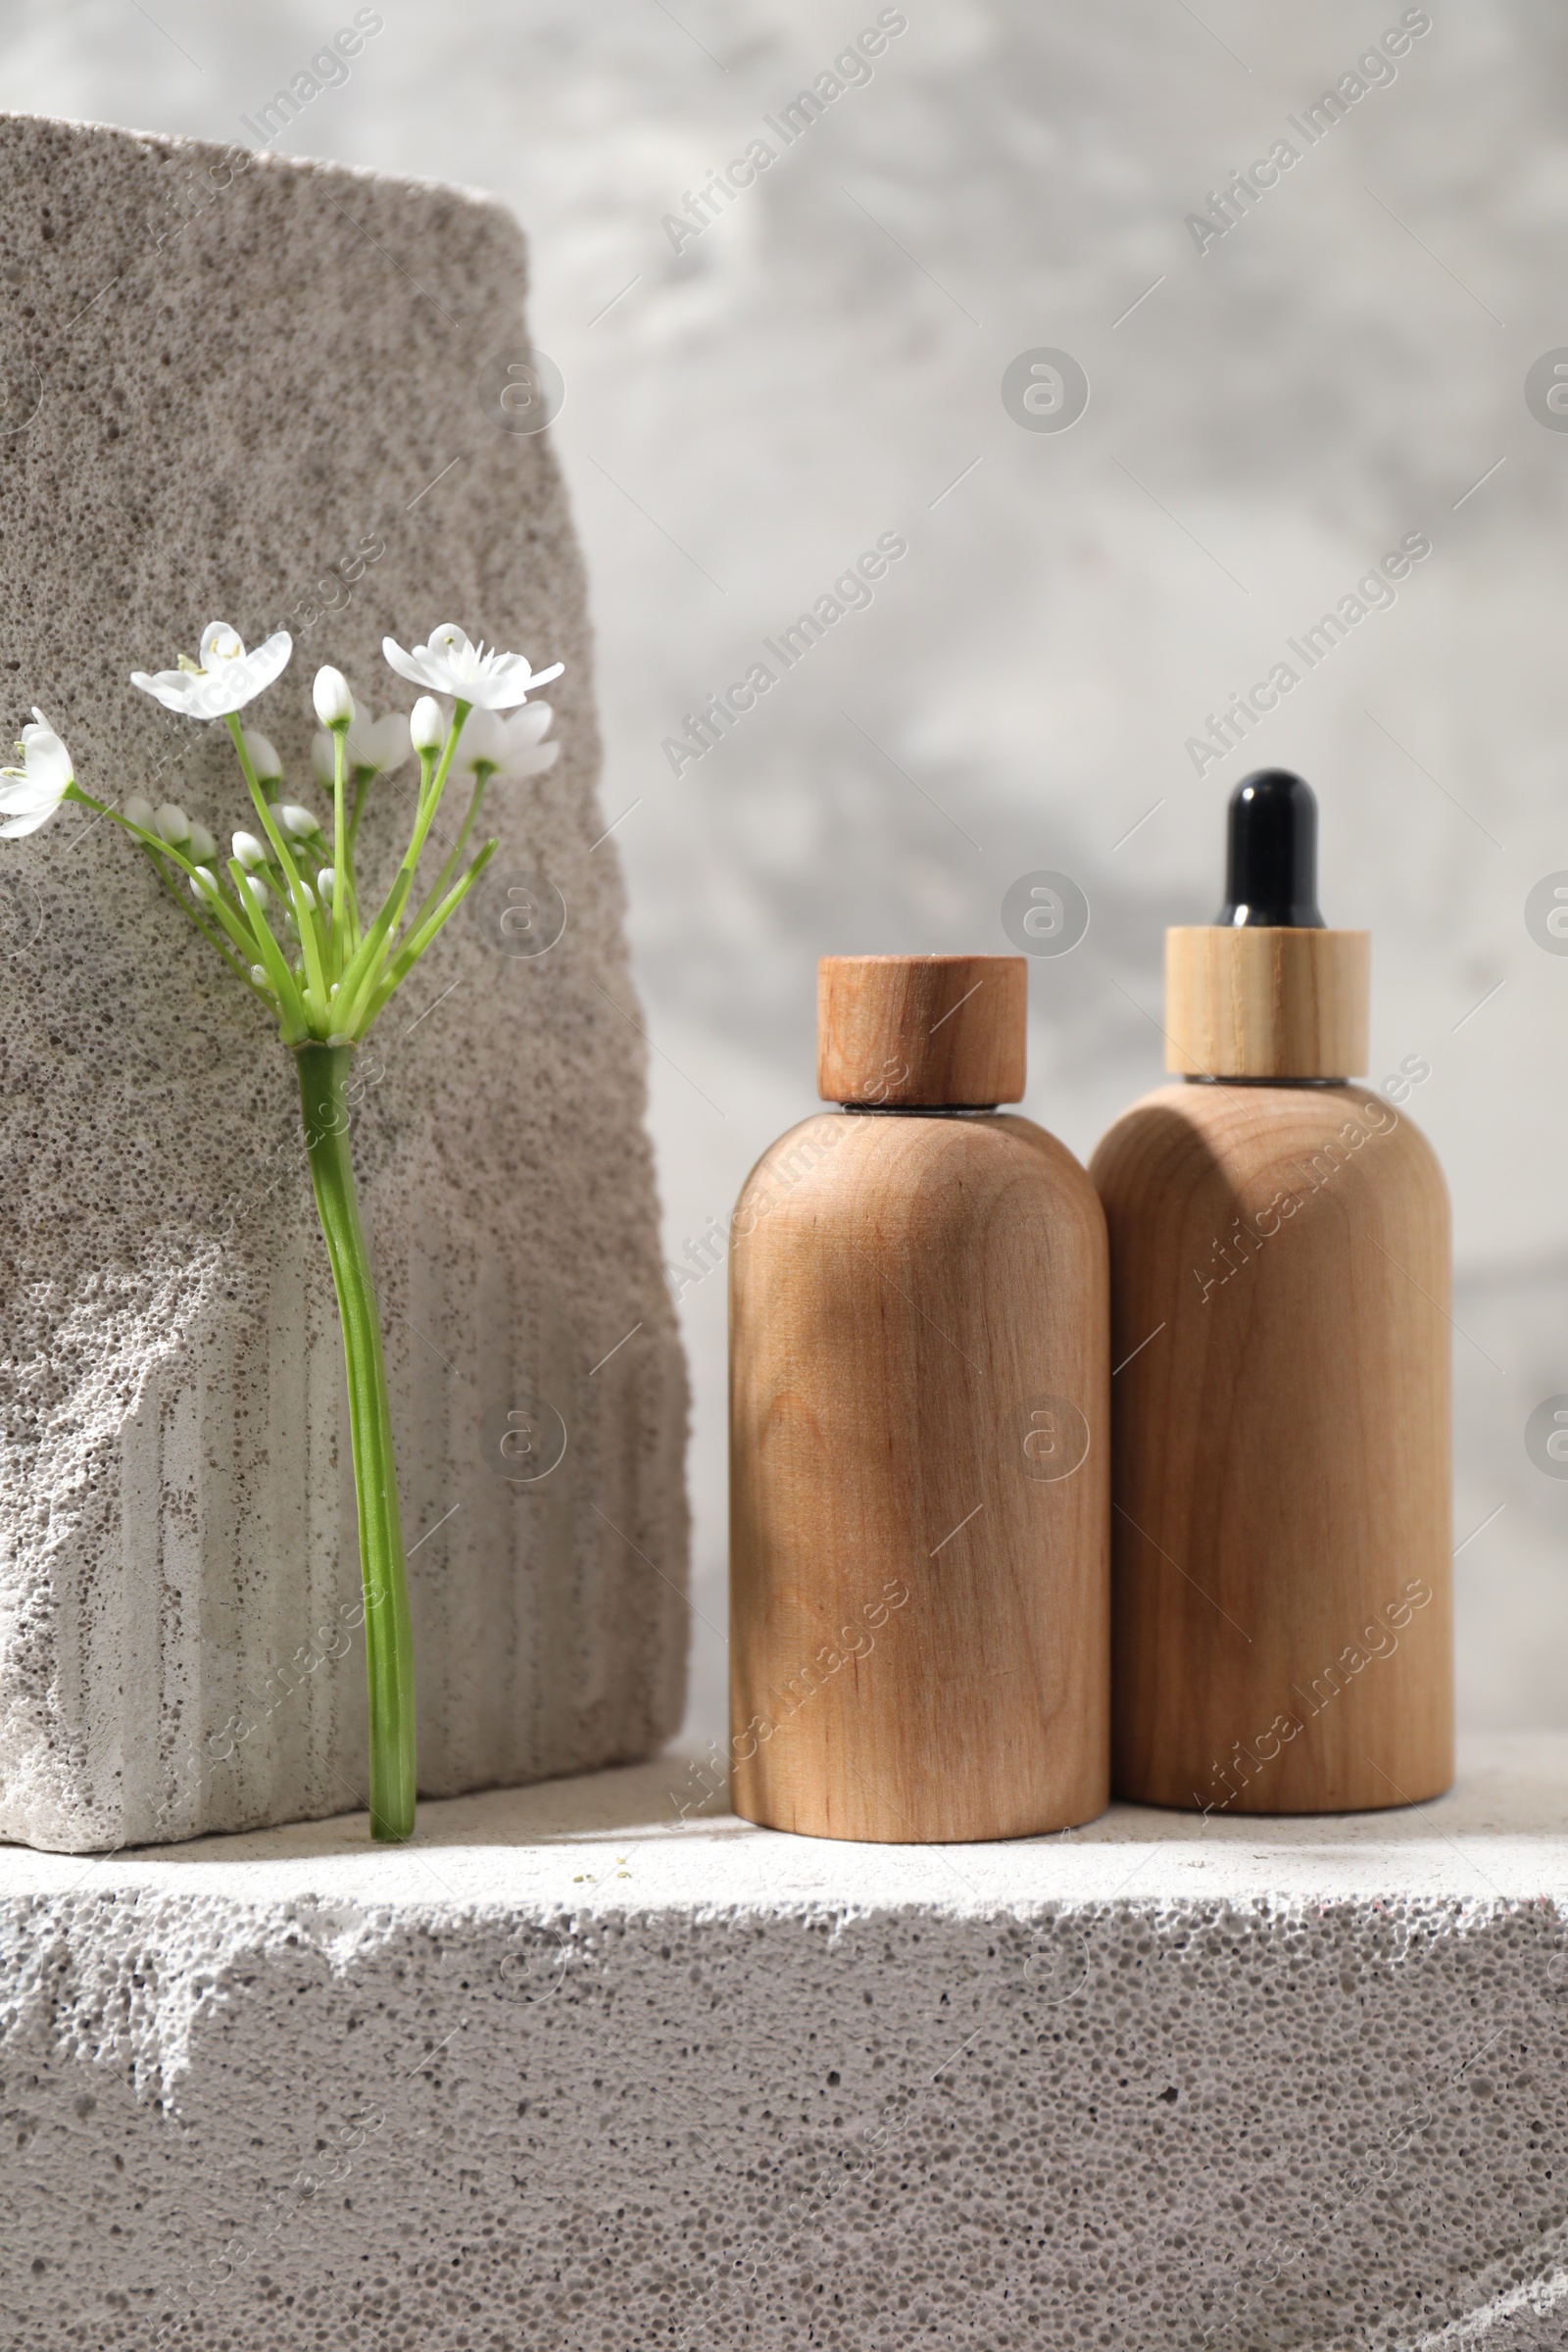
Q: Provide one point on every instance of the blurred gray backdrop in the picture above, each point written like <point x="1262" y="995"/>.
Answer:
<point x="759" y="385"/>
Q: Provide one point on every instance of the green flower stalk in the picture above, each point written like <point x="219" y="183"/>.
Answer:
<point x="285" y="913"/>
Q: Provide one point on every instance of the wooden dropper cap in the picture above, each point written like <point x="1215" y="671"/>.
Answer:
<point x="921" y="1031"/>
<point x="1265" y="991"/>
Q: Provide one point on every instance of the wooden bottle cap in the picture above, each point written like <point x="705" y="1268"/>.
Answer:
<point x="1249" y="1001"/>
<point x="921" y="1031"/>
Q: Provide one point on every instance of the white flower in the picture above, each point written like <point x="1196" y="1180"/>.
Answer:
<point x="172" y="823"/>
<point x="375" y="745"/>
<point x="325" y="882"/>
<point x="297" y="820"/>
<point x="249" y="852"/>
<point x="203" y="884"/>
<point x="202" y="845"/>
<point x="223" y="678"/>
<point x="334" y="705"/>
<point x="33" y="791"/>
<point x="139" y="811"/>
<point x="508" y="747"/>
<point x="428" y="724"/>
<point x="450" y="664"/>
<point x="256" y="890"/>
<point x="261" y="756"/>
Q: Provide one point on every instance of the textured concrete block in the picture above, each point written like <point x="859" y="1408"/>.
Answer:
<point x="583" y="2069"/>
<point x="261" y="390"/>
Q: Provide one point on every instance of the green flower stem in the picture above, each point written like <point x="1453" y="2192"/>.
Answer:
<point x="157" y="851"/>
<point x="408" y="956"/>
<point x="388" y="1637"/>
<point x="292" y="1021"/>
<point x="342" y="864"/>
<point x="345" y="932"/>
<point x="433" y="896"/>
<point x="304" y="914"/>
<point x="425" y="818"/>
<point x="208" y="933"/>
<point x="363" y="777"/>
<point x="366" y="965"/>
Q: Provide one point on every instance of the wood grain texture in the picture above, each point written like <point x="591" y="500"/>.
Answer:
<point x="1282" y="1537"/>
<point x="919" y="1603"/>
<point x="922" y="1029"/>
<point x="1257" y="1002"/>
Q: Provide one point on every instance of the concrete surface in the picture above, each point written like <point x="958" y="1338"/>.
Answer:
<point x="586" y="2067"/>
<point x="243" y="387"/>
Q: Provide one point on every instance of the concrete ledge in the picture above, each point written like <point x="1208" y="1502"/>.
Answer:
<point x="575" y="2071"/>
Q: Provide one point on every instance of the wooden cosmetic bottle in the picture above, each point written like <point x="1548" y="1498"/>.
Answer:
<point x="1280" y="1280"/>
<point x="919" y="1488"/>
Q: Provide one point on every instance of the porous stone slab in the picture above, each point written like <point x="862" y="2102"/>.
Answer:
<point x="246" y="387"/>
<point x="584" y="2068"/>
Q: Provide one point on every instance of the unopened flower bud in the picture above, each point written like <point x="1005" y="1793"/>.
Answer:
<point x="325" y="882"/>
<point x="202" y="844"/>
<point x="204" y="883"/>
<point x="256" y="890"/>
<point x="261" y="756"/>
<point x="297" y="820"/>
<point x="428" y="725"/>
<point x="250" y="851"/>
<point x="334" y="705"/>
<point x="172" y="823"/>
<point x="139" y="811"/>
<point x="259" y="975"/>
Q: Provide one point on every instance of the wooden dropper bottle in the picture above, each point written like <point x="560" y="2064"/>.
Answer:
<point x="1280" y="1284"/>
<point x="919" y="1490"/>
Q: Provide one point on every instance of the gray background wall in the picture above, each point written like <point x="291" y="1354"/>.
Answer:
<point x="825" y="363"/>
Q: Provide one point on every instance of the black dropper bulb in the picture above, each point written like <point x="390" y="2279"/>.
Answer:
<point x="1271" y="853"/>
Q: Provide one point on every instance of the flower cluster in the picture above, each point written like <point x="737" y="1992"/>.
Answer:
<point x="284" y="913"/>
<point x="284" y="909"/>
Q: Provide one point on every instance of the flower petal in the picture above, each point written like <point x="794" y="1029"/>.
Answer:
<point x="428" y="724"/>
<point x="388" y="741"/>
<point x="505" y="686"/>
<point x="269" y="662"/>
<point x="530" y="724"/>
<point x="171" y="687"/>
<point x="39" y="741"/>
<point x="263" y="756"/>
<point x="17" y="826"/>
<point x="482" y="743"/>
<point x="231" y="678"/>
<point x="406" y="665"/>
<point x="25" y="794"/>
<point x="449" y="642"/>
<point x="47" y="765"/>
<point x="221" y="643"/>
